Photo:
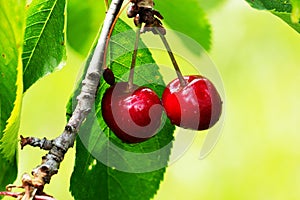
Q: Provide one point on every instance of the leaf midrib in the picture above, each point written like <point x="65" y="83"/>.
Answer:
<point x="39" y="36"/>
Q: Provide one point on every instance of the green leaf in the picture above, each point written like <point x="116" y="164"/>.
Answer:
<point x="11" y="39"/>
<point x="105" y="167"/>
<point x="211" y="4"/>
<point x="83" y="23"/>
<point x="287" y="10"/>
<point x="189" y="19"/>
<point x="295" y="15"/>
<point x="287" y="18"/>
<point x="276" y="5"/>
<point x="44" y="41"/>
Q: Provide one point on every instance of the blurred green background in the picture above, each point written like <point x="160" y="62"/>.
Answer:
<point x="258" y="154"/>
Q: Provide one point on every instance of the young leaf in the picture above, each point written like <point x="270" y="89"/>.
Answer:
<point x="189" y="19"/>
<point x="11" y="39"/>
<point x="44" y="41"/>
<point x="83" y="22"/>
<point x="105" y="167"/>
<point x="288" y="11"/>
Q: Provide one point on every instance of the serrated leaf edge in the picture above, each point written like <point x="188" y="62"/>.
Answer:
<point x="7" y="148"/>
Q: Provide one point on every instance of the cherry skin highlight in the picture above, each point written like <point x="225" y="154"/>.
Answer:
<point x="133" y="115"/>
<point x="197" y="105"/>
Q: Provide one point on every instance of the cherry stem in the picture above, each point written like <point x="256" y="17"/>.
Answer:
<point x="110" y="33"/>
<point x="172" y="57"/>
<point x="136" y="44"/>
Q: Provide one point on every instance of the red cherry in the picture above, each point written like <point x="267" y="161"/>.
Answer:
<point x="133" y="115"/>
<point x="197" y="105"/>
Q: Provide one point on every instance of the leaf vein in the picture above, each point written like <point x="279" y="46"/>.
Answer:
<point x="30" y="38"/>
<point x="35" y="23"/>
<point x="34" y="48"/>
<point x="39" y="11"/>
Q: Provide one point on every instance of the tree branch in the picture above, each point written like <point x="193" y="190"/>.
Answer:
<point x="85" y="101"/>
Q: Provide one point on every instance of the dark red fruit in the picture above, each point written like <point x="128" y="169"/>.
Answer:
<point x="197" y="105"/>
<point x="134" y="116"/>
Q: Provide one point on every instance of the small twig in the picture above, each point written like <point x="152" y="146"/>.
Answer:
<point x="36" y="142"/>
<point x="20" y="195"/>
<point x="85" y="101"/>
<point x="11" y="194"/>
<point x="32" y="190"/>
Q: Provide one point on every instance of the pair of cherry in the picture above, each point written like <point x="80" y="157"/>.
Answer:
<point x="134" y="113"/>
